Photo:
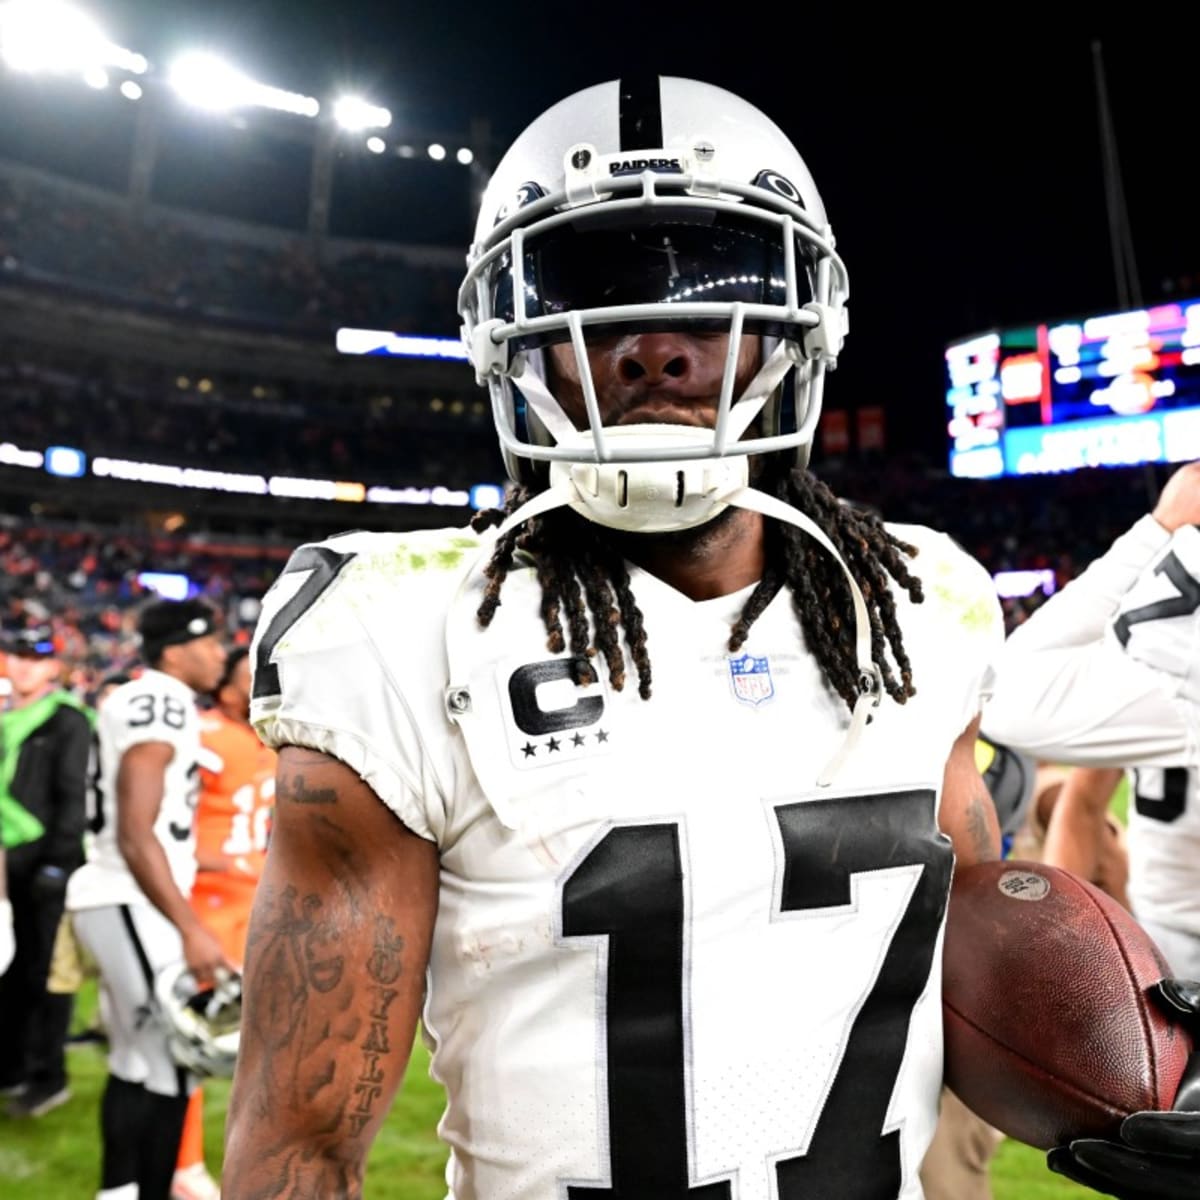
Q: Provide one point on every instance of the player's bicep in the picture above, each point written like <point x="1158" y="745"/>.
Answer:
<point x="967" y="815"/>
<point x="334" y="977"/>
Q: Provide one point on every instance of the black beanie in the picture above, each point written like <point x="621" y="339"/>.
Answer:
<point x="173" y="622"/>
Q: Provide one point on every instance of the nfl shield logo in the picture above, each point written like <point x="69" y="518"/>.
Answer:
<point x="751" y="679"/>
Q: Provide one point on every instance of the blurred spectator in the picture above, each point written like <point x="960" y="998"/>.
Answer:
<point x="45" y="739"/>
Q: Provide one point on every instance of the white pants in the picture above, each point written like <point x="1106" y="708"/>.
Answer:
<point x="1180" y="949"/>
<point x="131" y="943"/>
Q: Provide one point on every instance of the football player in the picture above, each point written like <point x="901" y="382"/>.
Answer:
<point x="1107" y="674"/>
<point x="129" y="901"/>
<point x="237" y="791"/>
<point x="661" y="780"/>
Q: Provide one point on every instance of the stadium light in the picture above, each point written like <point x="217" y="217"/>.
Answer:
<point x="131" y="90"/>
<point x="437" y="152"/>
<point x="96" y="77"/>
<point x="207" y="82"/>
<point x="465" y="156"/>
<point x="376" y="145"/>
<point x="51" y="35"/>
<point x="355" y="114"/>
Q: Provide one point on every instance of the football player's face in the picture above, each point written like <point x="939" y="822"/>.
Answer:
<point x="202" y="661"/>
<point x="652" y="378"/>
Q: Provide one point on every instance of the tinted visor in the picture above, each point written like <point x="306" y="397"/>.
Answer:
<point x="682" y="257"/>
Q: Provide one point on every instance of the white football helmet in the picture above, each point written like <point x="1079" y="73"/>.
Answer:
<point x="645" y="204"/>
<point x="203" y="1024"/>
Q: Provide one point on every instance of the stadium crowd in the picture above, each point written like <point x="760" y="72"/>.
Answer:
<point x="143" y="411"/>
<point x="102" y="249"/>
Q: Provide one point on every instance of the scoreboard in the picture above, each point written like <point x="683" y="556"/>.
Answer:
<point x="1110" y="390"/>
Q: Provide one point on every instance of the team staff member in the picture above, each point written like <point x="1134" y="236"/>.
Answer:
<point x="45" y="737"/>
<point x="129" y="901"/>
<point x="237" y="790"/>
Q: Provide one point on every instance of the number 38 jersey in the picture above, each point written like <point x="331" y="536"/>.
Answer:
<point x="666" y="963"/>
<point x="155" y="707"/>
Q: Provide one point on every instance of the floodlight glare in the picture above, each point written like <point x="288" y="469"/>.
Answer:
<point x="47" y="35"/>
<point x="376" y="145"/>
<point x="51" y="35"/>
<point x="355" y="114"/>
<point x="96" y="77"/>
<point x="131" y="90"/>
<point x="465" y="156"/>
<point x="437" y="152"/>
<point x="208" y="82"/>
<point x="204" y="81"/>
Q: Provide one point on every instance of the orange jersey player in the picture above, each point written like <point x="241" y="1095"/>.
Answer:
<point x="233" y="816"/>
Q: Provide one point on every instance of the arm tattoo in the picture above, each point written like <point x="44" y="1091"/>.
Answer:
<point x="384" y="968"/>
<point x="298" y="792"/>
<point x="978" y="828"/>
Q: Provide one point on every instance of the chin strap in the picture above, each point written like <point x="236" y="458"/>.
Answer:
<point x="870" y="676"/>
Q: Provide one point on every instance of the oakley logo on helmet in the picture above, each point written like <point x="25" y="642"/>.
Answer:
<point x="631" y="166"/>
<point x="526" y="194"/>
<point x="772" y="181"/>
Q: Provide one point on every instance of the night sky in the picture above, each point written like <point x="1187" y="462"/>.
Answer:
<point x="960" y="164"/>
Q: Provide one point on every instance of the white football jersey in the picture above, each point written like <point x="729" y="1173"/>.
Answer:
<point x="1068" y="690"/>
<point x="152" y="708"/>
<point x="664" y="959"/>
<point x="1158" y="625"/>
<point x="1108" y="673"/>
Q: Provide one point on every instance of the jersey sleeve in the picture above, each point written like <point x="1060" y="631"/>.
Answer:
<point x="963" y="625"/>
<point x="1083" y="680"/>
<point x="327" y="676"/>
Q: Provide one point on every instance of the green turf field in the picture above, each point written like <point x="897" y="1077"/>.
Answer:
<point x="56" y="1157"/>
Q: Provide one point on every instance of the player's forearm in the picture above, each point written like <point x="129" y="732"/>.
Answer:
<point x="331" y="1000"/>
<point x="148" y="865"/>
<point x="1073" y="839"/>
<point x="1080" y="612"/>
<point x="332" y="987"/>
<point x="1077" y="833"/>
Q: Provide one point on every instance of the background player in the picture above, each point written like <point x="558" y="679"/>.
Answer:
<point x="237" y="792"/>
<point x="1107" y="673"/>
<point x="129" y="901"/>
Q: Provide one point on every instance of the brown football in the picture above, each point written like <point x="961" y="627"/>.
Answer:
<point x="1051" y="1033"/>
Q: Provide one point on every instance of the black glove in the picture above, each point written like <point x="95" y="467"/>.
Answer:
<point x="49" y="882"/>
<point x="1158" y="1156"/>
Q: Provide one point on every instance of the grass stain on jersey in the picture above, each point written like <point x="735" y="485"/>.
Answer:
<point x="974" y="612"/>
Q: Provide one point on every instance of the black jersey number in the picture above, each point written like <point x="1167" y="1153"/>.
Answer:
<point x="150" y="708"/>
<point x="630" y="887"/>
<point x="1182" y="605"/>
<point x="325" y="564"/>
<point x="1171" y="799"/>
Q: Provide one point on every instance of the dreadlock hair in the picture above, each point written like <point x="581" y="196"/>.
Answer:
<point x="581" y="573"/>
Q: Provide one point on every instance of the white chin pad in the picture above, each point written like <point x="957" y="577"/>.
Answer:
<point x="652" y="495"/>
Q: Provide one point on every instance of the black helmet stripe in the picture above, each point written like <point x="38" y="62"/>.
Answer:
<point x="641" y="112"/>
